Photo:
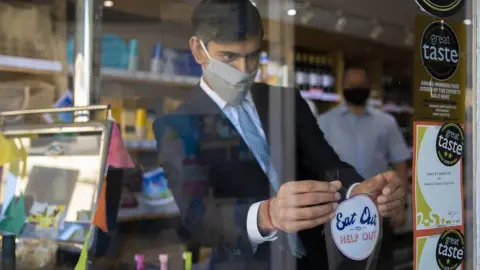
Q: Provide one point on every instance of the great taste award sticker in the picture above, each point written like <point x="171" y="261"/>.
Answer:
<point x="440" y="50"/>
<point x="441" y="8"/>
<point x="450" y="250"/>
<point x="449" y="147"/>
<point x="355" y="227"/>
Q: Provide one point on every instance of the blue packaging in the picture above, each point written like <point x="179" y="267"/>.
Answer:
<point x="155" y="184"/>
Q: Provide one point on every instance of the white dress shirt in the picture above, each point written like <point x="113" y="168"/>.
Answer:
<point x="253" y="232"/>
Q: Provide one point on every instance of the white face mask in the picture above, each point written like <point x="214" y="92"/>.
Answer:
<point x="228" y="82"/>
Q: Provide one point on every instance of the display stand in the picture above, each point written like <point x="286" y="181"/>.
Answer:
<point x="65" y="169"/>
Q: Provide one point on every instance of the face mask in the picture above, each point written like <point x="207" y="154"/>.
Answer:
<point x="228" y="82"/>
<point x="356" y="96"/>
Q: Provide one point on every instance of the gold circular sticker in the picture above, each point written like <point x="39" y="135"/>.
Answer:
<point x="441" y="8"/>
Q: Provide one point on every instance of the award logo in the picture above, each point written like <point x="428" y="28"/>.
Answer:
<point x="355" y="227"/>
<point x="439" y="50"/>
<point x="449" y="145"/>
<point x="441" y="8"/>
<point x="450" y="250"/>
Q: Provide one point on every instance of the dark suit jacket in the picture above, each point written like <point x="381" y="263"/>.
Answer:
<point x="215" y="178"/>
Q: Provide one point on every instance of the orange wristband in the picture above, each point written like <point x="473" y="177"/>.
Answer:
<point x="269" y="217"/>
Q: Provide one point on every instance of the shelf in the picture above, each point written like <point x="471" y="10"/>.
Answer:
<point x="141" y="145"/>
<point x="28" y="65"/>
<point x="146" y="77"/>
<point x="167" y="208"/>
<point x="320" y="95"/>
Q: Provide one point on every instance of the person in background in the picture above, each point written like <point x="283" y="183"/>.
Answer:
<point x="370" y="141"/>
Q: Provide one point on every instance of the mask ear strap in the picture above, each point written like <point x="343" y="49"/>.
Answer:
<point x="204" y="48"/>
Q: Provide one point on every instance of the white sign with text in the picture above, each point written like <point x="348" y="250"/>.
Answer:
<point x="355" y="227"/>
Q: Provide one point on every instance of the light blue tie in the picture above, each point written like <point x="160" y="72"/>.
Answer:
<point x="258" y="145"/>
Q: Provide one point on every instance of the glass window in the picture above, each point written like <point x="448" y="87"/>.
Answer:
<point x="266" y="134"/>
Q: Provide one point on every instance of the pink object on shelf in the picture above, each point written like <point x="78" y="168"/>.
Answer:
<point x="163" y="261"/>
<point x="118" y="155"/>
<point x="139" y="259"/>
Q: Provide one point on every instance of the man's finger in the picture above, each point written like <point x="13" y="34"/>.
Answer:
<point x="306" y="186"/>
<point x="312" y="212"/>
<point x="398" y="194"/>
<point x="393" y="182"/>
<point x="374" y="184"/>
<point x="309" y="199"/>
<point x="390" y="208"/>
<point x="301" y="225"/>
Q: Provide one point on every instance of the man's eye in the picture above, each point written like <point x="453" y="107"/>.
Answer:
<point x="228" y="57"/>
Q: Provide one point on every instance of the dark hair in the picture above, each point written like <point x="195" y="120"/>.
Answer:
<point x="354" y="67"/>
<point x="226" y="21"/>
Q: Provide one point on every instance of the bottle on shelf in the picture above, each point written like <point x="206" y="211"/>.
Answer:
<point x="306" y="69"/>
<point x="312" y="74"/>
<point x="262" y="74"/>
<point x="319" y="73"/>
<point x="328" y="78"/>
<point x="300" y="75"/>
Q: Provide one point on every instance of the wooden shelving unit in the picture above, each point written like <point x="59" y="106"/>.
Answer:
<point x="29" y="65"/>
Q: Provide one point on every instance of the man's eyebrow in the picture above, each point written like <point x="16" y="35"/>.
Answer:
<point x="238" y="54"/>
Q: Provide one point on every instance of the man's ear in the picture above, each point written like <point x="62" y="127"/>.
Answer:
<point x="200" y="56"/>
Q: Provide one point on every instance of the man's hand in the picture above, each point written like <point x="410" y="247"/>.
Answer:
<point x="300" y="205"/>
<point x="398" y="220"/>
<point x="387" y="190"/>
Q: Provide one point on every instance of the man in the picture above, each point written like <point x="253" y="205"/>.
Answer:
<point x="369" y="140"/>
<point x="215" y="153"/>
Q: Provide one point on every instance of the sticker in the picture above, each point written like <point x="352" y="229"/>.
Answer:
<point x="441" y="8"/>
<point x="46" y="216"/>
<point x="439" y="50"/>
<point x="450" y="250"/>
<point x="355" y="227"/>
<point x="449" y="147"/>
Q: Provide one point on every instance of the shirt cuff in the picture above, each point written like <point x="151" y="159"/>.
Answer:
<point x="253" y="232"/>
<point x="350" y="189"/>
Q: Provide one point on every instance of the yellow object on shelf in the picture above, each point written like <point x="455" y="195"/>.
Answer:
<point x="140" y="117"/>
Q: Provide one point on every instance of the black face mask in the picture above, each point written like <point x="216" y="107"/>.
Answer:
<point x="356" y="96"/>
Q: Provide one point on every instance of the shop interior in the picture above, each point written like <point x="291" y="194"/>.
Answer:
<point x="147" y="70"/>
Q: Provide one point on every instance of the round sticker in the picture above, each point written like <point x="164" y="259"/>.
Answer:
<point x="355" y="227"/>
<point x="441" y="8"/>
<point x="450" y="250"/>
<point x="439" y="50"/>
<point x="449" y="145"/>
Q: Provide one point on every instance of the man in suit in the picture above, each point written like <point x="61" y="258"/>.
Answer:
<point x="215" y="153"/>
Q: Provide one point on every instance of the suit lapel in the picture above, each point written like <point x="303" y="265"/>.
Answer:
<point x="260" y="94"/>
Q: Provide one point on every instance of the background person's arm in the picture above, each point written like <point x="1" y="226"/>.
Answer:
<point x="398" y="152"/>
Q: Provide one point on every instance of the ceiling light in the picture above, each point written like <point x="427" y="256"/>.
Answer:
<point x="409" y="38"/>
<point x="467" y="21"/>
<point x="108" y="3"/>
<point x="341" y="22"/>
<point x="377" y="30"/>
<point x="292" y="12"/>
<point x="307" y="17"/>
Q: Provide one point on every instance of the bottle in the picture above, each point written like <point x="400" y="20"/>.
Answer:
<point x="330" y="77"/>
<point x="299" y="72"/>
<point x="312" y="74"/>
<point x="163" y="258"/>
<point x="318" y="73"/>
<point x="187" y="257"/>
<point x="133" y="55"/>
<point x="262" y="75"/>
<point x="156" y="65"/>
<point x="306" y="68"/>
<point x="139" y="258"/>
